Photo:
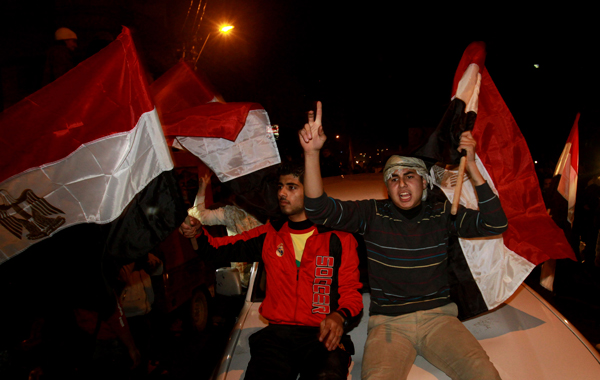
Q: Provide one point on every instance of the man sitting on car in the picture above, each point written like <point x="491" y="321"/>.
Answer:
<point x="407" y="242"/>
<point x="311" y="293"/>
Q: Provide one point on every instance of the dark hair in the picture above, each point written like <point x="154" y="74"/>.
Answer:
<point x="295" y="168"/>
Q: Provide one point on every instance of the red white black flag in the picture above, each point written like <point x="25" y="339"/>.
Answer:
<point x="497" y="265"/>
<point x="568" y="168"/>
<point x="81" y="150"/>
<point x="232" y="139"/>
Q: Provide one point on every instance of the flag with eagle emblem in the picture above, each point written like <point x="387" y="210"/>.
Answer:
<point x="88" y="149"/>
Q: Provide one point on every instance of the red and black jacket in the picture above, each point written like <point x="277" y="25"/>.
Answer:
<point x="326" y="281"/>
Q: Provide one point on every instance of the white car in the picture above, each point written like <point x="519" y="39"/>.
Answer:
<point x="526" y="338"/>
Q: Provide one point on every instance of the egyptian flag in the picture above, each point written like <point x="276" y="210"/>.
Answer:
<point x="560" y="203"/>
<point x="232" y="139"/>
<point x="567" y="169"/>
<point x="235" y="140"/>
<point x="88" y="150"/>
<point x="462" y="111"/>
<point x="488" y="271"/>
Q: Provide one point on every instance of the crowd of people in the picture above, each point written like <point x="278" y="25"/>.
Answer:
<point x="312" y="294"/>
<point x="313" y="282"/>
<point x="310" y="256"/>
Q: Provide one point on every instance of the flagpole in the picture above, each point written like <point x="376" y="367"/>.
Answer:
<point x="459" y="182"/>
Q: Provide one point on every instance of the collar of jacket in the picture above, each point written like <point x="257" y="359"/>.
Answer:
<point x="278" y="223"/>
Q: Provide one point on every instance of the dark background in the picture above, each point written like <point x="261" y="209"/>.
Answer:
<point x="380" y="68"/>
<point x="383" y="70"/>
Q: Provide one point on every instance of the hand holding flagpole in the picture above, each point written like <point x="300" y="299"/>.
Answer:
<point x="467" y="162"/>
<point x="459" y="182"/>
<point x="467" y="90"/>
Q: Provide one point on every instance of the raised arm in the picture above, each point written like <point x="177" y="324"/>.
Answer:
<point x="312" y="138"/>
<point x="203" y="182"/>
<point x="244" y="247"/>
<point x="345" y="216"/>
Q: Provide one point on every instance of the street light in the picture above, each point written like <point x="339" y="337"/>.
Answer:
<point x="224" y="30"/>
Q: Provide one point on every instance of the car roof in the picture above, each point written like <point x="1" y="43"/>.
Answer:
<point x="526" y="338"/>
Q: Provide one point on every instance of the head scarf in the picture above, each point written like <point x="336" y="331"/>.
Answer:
<point x="396" y="163"/>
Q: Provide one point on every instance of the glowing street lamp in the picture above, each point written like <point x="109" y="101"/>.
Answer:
<point x="224" y="30"/>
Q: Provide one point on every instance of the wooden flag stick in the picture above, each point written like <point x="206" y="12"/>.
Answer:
<point x="459" y="182"/>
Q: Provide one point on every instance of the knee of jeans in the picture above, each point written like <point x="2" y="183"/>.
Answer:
<point x="483" y="369"/>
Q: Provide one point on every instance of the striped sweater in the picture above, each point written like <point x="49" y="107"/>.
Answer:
<point x="408" y="258"/>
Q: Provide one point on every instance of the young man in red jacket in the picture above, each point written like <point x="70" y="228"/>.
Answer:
<point x="312" y="288"/>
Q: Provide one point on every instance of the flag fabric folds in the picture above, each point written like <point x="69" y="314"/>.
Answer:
<point x="82" y="150"/>
<point x="488" y="271"/>
<point x="531" y="232"/>
<point x="180" y="88"/>
<point x="568" y="168"/>
<point x="253" y="149"/>
<point x="461" y="113"/>
<point x="232" y="139"/>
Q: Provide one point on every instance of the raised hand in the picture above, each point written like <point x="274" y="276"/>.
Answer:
<point x="312" y="136"/>
<point x="467" y="142"/>
<point x="203" y="182"/>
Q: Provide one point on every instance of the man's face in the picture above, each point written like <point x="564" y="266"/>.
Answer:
<point x="547" y="183"/>
<point x="71" y="44"/>
<point x="291" y="197"/>
<point x="405" y="188"/>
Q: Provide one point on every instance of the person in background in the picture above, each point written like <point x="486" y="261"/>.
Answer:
<point x="136" y="298"/>
<point x="60" y="58"/>
<point x="235" y="219"/>
<point x="112" y="347"/>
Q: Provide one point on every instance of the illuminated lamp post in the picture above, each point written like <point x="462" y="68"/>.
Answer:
<point x="224" y="30"/>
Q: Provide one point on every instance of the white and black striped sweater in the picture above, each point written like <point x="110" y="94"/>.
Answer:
<point x="408" y="258"/>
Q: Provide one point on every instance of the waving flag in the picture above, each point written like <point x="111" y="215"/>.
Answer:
<point x="531" y="232"/>
<point x="462" y="111"/>
<point x="488" y="271"/>
<point x="567" y="168"/>
<point x="88" y="149"/>
<point x="180" y="88"/>
<point x="232" y="139"/>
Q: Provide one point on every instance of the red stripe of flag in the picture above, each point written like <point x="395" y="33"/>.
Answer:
<point x="56" y="120"/>
<point x="503" y="150"/>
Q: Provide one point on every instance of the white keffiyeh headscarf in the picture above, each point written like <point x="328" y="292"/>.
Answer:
<point x="396" y="163"/>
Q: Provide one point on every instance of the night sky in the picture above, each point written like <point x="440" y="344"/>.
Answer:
<point x="378" y="67"/>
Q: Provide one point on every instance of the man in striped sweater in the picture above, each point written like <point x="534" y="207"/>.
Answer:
<point x="406" y="236"/>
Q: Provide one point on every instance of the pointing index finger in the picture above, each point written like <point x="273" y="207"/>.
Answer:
<point x="319" y="113"/>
